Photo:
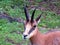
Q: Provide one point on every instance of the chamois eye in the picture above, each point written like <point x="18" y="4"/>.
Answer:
<point x="32" y="29"/>
<point x="34" y="26"/>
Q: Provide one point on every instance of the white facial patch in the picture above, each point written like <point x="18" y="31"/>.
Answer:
<point x="28" y="27"/>
<point x="31" y="34"/>
<point x="27" y="30"/>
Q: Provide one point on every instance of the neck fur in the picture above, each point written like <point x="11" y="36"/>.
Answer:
<point x="35" y="40"/>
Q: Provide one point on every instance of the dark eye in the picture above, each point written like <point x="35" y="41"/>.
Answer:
<point x="32" y="29"/>
<point x="34" y="26"/>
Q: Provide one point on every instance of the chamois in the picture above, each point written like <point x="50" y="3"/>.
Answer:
<point x="32" y="32"/>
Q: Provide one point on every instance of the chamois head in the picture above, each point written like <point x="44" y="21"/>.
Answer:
<point x="30" y="25"/>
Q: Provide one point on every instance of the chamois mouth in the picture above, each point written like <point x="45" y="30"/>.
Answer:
<point x="26" y="37"/>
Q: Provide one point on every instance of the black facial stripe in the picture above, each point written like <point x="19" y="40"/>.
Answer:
<point x="33" y="28"/>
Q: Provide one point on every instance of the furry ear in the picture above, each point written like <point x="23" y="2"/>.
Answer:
<point x="38" y="18"/>
<point x="26" y="13"/>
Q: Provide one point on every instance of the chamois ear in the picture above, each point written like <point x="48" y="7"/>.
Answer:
<point x="26" y="13"/>
<point x="38" y="18"/>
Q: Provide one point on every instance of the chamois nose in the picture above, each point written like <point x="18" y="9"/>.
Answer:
<point x="25" y="36"/>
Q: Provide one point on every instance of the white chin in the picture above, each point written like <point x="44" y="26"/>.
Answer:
<point x="28" y="37"/>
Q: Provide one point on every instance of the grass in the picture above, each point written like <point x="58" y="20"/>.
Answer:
<point x="51" y="21"/>
<point x="13" y="31"/>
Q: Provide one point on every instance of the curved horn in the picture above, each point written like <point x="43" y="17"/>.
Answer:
<point x="26" y="13"/>
<point x="32" y="17"/>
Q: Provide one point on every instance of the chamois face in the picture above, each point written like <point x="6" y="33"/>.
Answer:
<point x="30" y="25"/>
<point x="29" y="29"/>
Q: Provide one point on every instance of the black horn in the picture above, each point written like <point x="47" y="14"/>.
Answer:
<point x="32" y="17"/>
<point x="26" y="13"/>
<point x="37" y="19"/>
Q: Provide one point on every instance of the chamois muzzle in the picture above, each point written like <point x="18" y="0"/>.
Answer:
<point x="24" y="36"/>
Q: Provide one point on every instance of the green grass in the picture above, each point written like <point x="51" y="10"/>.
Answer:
<point x="49" y="19"/>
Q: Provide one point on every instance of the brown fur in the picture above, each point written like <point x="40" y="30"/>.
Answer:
<point x="36" y="38"/>
<point x="52" y="38"/>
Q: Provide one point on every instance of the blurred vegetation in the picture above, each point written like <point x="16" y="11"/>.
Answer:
<point x="14" y="8"/>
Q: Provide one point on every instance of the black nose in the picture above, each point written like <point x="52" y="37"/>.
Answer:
<point x="25" y="36"/>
